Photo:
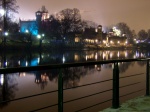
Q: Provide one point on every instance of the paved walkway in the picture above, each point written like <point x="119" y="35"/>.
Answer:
<point x="140" y="104"/>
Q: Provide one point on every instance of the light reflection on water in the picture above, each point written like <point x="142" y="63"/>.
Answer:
<point x="30" y="83"/>
<point x="52" y="57"/>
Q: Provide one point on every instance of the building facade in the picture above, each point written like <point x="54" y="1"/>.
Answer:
<point x="34" y="26"/>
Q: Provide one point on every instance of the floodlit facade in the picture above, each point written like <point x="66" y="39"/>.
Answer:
<point x="33" y="26"/>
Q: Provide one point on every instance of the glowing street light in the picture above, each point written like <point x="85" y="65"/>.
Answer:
<point x="39" y="36"/>
<point x="104" y="41"/>
<point x="27" y="31"/>
<point x="43" y="35"/>
<point x="111" y="41"/>
<point x="6" y="33"/>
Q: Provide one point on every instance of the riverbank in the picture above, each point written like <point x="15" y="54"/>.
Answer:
<point x="47" y="47"/>
<point x="139" y="104"/>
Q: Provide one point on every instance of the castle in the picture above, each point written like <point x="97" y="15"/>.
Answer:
<point x="34" y="26"/>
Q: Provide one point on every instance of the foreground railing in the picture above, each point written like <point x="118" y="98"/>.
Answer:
<point x="115" y="82"/>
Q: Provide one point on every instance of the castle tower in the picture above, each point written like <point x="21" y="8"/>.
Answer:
<point x="41" y="17"/>
<point x="38" y="20"/>
<point x="38" y="15"/>
<point x="99" y="31"/>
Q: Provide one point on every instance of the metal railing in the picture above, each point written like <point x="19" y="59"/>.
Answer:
<point x="115" y="82"/>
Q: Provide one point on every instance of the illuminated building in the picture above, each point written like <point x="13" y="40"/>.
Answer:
<point x="117" y="41"/>
<point x="34" y="26"/>
<point x="94" y="35"/>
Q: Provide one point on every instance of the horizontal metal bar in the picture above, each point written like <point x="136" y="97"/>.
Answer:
<point x="130" y="84"/>
<point x="94" y="105"/>
<point x="28" y="96"/>
<point x="66" y="65"/>
<point x="87" y="96"/>
<point x="132" y="92"/>
<point x="44" y="108"/>
<point x="88" y="84"/>
<point x="131" y="75"/>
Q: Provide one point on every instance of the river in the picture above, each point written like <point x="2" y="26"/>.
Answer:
<point x="24" y="84"/>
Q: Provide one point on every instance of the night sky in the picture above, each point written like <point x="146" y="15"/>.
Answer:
<point x="136" y="13"/>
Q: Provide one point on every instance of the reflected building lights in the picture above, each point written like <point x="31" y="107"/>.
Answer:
<point x="118" y="54"/>
<point x="76" y="57"/>
<point x="111" y="55"/>
<point x="96" y="56"/>
<point x="86" y="57"/>
<point x="44" y="77"/>
<point x="137" y="55"/>
<point x="6" y="63"/>
<point x="38" y="60"/>
<point x="104" y="55"/>
<point x="19" y="62"/>
<point x="2" y="79"/>
<point x="126" y="54"/>
<point x="23" y="74"/>
<point x="112" y="66"/>
<point x="26" y="63"/>
<point x="107" y="55"/>
<point x="37" y="81"/>
<point x="63" y="59"/>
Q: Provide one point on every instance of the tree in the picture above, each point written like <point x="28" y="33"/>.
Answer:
<point x="10" y="8"/>
<point x="70" y="21"/>
<point x="53" y="28"/>
<point x="142" y="35"/>
<point x="148" y="33"/>
<point x="124" y="28"/>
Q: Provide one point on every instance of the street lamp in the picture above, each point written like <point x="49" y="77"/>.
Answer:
<point x="40" y="37"/>
<point x="2" y="12"/>
<point x="6" y="33"/>
<point x="27" y="31"/>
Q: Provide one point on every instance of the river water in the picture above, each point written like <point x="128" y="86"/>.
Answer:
<point x="17" y="85"/>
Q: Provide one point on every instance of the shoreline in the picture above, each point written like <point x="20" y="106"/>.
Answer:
<point x="62" y="47"/>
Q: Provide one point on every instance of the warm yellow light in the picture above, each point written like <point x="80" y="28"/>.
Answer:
<point x="96" y="30"/>
<point x="104" y="41"/>
<point x="111" y="41"/>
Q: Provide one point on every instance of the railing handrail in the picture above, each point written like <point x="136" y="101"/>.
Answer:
<point x="115" y="80"/>
<point x="65" y="65"/>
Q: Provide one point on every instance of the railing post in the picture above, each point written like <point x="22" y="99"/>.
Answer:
<point x="60" y="91"/>
<point x="115" y="99"/>
<point x="147" y="78"/>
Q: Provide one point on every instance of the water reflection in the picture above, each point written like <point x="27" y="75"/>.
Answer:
<point x="8" y="87"/>
<point x="72" y="76"/>
<point x="40" y="58"/>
